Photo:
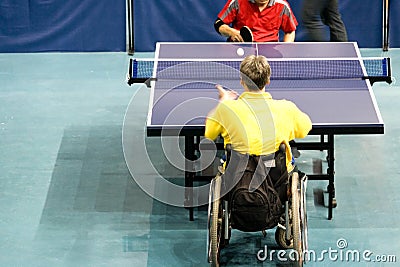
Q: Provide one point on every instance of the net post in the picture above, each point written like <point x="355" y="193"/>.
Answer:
<point x="386" y="5"/>
<point x="130" y="22"/>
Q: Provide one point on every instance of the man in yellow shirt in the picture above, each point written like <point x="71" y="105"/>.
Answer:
<point x="254" y="123"/>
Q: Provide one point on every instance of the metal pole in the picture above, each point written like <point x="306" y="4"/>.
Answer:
<point x="130" y="14"/>
<point x="386" y="25"/>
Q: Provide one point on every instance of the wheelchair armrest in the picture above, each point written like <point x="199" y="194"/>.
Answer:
<point x="282" y="147"/>
<point x="228" y="149"/>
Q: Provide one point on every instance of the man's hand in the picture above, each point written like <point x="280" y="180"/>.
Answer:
<point x="226" y="94"/>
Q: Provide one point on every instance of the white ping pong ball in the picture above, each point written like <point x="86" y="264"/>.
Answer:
<point x="240" y="51"/>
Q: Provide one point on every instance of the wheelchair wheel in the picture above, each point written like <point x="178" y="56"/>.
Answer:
<point x="280" y="238"/>
<point x="299" y="221"/>
<point x="215" y="222"/>
<point x="303" y="213"/>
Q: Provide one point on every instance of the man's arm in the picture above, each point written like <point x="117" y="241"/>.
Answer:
<point x="289" y="36"/>
<point x="303" y="123"/>
<point x="226" y="94"/>
<point x="213" y="127"/>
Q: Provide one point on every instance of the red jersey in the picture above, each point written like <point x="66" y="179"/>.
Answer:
<point x="265" y="24"/>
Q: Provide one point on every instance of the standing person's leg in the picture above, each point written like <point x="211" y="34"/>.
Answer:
<point x="335" y="23"/>
<point x="311" y="16"/>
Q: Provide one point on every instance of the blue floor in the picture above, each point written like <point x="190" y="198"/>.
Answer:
<point x="67" y="197"/>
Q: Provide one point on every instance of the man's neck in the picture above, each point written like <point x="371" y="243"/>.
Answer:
<point x="254" y="91"/>
<point x="262" y="6"/>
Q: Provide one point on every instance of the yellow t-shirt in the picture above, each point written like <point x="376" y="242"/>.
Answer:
<point x="256" y="124"/>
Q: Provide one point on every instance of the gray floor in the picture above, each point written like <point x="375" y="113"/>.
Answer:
<point x="67" y="197"/>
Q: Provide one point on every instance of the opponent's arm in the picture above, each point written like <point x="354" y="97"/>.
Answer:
<point x="289" y="36"/>
<point x="227" y="31"/>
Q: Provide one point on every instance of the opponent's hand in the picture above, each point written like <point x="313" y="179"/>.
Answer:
<point x="236" y="37"/>
<point x="226" y="94"/>
<point x="230" y="32"/>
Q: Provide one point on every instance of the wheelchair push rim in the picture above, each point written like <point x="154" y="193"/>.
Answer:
<point x="299" y="221"/>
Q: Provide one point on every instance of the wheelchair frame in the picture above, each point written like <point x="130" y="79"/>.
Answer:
<point x="291" y="235"/>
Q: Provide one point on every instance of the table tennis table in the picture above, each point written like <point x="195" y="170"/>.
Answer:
<point x="329" y="81"/>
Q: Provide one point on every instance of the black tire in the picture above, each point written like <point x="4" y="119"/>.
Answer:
<point x="280" y="238"/>
<point x="215" y="224"/>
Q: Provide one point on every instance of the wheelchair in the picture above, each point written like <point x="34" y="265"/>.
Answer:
<point x="291" y="230"/>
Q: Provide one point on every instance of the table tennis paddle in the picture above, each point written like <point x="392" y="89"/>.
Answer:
<point x="246" y="34"/>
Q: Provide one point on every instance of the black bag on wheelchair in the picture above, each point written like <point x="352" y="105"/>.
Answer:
<point x="255" y="203"/>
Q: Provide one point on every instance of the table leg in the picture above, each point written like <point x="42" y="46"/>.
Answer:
<point x="331" y="175"/>
<point x="189" y="174"/>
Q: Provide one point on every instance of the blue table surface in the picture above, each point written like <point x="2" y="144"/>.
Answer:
<point x="328" y="102"/>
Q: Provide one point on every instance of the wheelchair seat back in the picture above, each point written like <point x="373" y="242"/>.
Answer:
<point x="257" y="188"/>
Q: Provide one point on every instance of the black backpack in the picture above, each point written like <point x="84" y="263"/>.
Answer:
<point x="260" y="208"/>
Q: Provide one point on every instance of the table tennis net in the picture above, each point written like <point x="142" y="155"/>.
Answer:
<point x="376" y="69"/>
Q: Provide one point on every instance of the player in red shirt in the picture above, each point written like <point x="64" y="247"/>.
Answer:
<point x="265" y="18"/>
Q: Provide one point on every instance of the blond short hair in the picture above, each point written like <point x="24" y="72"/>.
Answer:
<point x="255" y="72"/>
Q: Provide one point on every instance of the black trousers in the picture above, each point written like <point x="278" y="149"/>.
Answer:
<point x="316" y="14"/>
